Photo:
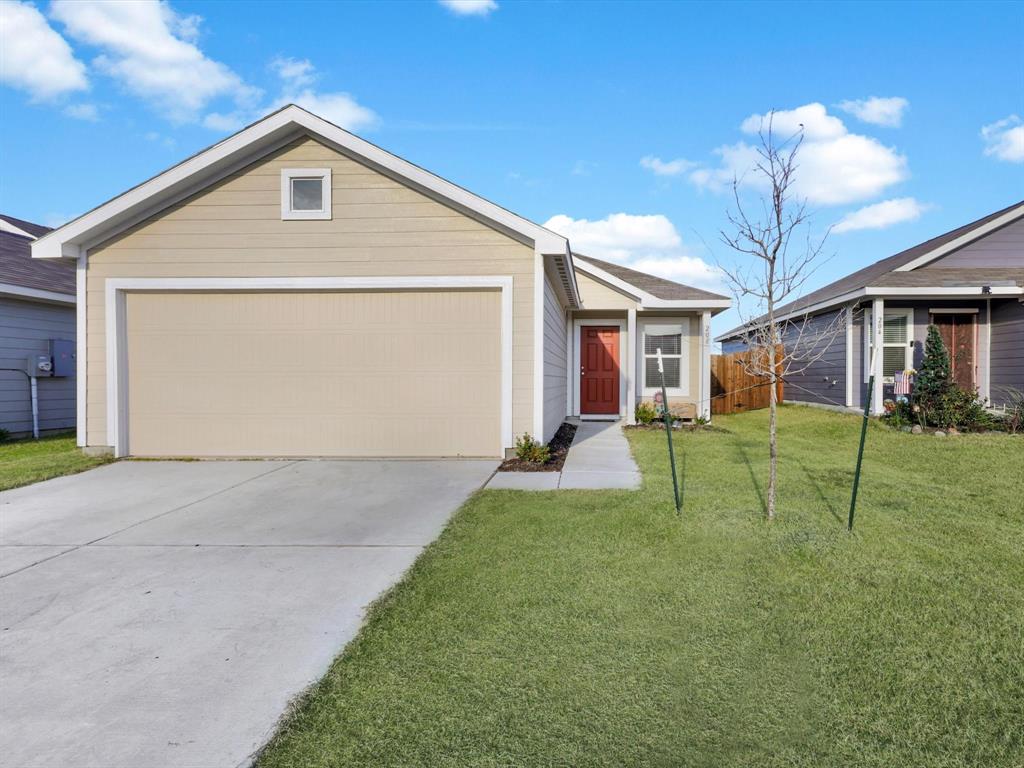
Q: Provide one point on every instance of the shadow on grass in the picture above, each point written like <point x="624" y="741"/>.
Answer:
<point x="820" y="491"/>
<point x="741" y="451"/>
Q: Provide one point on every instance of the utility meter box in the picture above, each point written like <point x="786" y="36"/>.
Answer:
<point x="62" y="355"/>
<point x="39" y="366"/>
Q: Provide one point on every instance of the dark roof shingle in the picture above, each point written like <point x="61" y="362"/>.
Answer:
<point x="17" y="267"/>
<point x="656" y="286"/>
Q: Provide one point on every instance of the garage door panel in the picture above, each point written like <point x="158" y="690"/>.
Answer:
<point x="304" y="374"/>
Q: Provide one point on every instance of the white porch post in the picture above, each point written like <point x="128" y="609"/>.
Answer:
<point x="631" y="363"/>
<point x="985" y="354"/>
<point x="704" y="407"/>
<point x="878" y="326"/>
<point x="851" y="374"/>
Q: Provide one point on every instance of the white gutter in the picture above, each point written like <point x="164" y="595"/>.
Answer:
<point x="20" y="291"/>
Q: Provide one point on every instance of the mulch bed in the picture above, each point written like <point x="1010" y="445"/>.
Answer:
<point x="655" y="426"/>
<point x="559" y="446"/>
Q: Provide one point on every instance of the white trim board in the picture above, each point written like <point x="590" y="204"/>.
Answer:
<point x="23" y="292"/>
<point x="617" y="322"/>
<point x="116" y="331"/>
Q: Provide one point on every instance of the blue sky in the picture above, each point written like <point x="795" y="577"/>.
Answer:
<point x="618" y="123"/>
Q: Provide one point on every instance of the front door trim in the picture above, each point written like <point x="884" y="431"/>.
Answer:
<point x="625" y="364"/>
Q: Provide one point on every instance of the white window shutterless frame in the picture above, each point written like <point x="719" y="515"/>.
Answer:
<point x="671" y="338"/>
<point x="897" y="343"/>
<point x="305" y="193"/>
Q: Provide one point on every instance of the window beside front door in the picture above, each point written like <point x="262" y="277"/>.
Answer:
<point x="671" y="340"/>
<point x="897" y="343"/>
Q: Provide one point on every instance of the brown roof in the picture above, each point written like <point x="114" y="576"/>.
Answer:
<point x="658" y="287"/>
<point x="882" y="273"/>
<point x="17" y="267"/>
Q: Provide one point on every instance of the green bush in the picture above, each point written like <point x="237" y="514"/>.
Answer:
<point x="528" y="449"/>
<point x="5" y="435"/>
<point x="960" y="408"/>
<point x="933" y="378"/>
<point x="645" y="413"/>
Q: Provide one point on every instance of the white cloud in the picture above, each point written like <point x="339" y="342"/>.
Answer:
<point x="150" y="49"/>
<point x="877" y="110"/>
<point x="35" y="58"/>
<point x="470" y="7"/>
<point x="660" y="167"/>
<point x="1004" y="139"/>
<point x="835" y="166"/>
<point x="296" y="75"/>
<point x="882" y="215"/>
<point x="649" y="243"/>
<point x="89" y="112"/>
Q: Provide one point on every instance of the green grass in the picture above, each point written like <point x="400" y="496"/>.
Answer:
<point x="597" y="629"/>
<point x="28" y="461"/>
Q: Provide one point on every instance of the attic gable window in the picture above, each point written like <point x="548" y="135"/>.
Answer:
<point x="306" y="193"/>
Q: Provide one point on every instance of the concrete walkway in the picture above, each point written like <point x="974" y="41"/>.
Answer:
<point x="599" y="458"/>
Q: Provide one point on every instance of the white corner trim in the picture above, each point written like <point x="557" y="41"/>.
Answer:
<point x="81" y="352"/>
<point x="960" y="242"/>
<point x="631" y="365"/>
<point x="22" y="292"/>
<point x="6" y="226"/>
<point x="116" y="332"/>
<point x="877" y="353"/>
<point x="290" y="174"/>
<point x="538" y="346"/>
<point x="849" y="357"/>
<point x="280" y="126"/>
<point x="986" y="389"/>
<point x="624" y="375"/>
<point x="704" y="383"/>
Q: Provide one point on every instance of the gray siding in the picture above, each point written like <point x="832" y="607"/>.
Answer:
<point x="1002" y="248"/>
<point x="821" y="354"/>
<point x="556" y="363"/>
<point x="728" y="347"/>
<point x="25" y="327"/>
<point x="1007" y="348"/>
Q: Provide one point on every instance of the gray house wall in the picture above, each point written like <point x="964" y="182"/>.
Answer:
<point x="822" y="349"/>
<point x="1007" y="348"/>
<point x="1002" y="248"/>
<point x="25" y="328"/>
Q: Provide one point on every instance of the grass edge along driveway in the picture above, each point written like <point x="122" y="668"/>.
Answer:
<point x="23" y="462"/>
<point x="596" y="628"/>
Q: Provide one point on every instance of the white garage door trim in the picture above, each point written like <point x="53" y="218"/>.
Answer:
<point x="117" y="416"/>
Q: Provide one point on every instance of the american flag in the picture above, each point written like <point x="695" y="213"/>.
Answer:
<point x="901" y="383"/>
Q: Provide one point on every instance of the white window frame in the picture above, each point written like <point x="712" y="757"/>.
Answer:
<point x="664" y="328"/>
<point x="908" y="352"/>
<point x="287" y="176"/>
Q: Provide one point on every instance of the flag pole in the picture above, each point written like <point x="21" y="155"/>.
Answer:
<point x="668" y="431"/>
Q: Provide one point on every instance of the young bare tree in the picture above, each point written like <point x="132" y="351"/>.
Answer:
<point x="780" y="254"/>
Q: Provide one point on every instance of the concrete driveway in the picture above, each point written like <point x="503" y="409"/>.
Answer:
<point x="165" y="613"/>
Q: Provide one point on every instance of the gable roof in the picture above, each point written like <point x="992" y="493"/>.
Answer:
<point x="19" y="271"/>
<point x="897" y="270"/>
<point x="259" y="139"/>
<point x="658" y="287"/>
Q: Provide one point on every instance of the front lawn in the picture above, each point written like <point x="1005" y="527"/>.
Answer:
<point x="596" y="628"/>
<point x="29" y="461"/>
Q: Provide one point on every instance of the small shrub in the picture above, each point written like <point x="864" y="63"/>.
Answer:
<point x="960" y="408"/>
<point x="933" y="378"/>
<point x="5" y="435"/>
<point x="528" y="449"/>
<point x="1013" y="418"/>
<point x="645" y="412"/>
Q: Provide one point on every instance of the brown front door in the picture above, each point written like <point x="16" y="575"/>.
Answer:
<point x="958" y="334"/>
<point x="599" y="369"/>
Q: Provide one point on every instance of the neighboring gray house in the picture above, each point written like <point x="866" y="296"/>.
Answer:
<point x="37" y="303"/>
<point x="969" y="282"/>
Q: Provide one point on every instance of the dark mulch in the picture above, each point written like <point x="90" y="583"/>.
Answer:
<point x="559" y="446"/>
<point x="654" y="426"/>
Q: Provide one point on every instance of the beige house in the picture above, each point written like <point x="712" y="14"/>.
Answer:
<point x="297" y="291"/>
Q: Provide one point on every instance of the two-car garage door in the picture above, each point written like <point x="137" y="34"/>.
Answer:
<point x="357" y="373"/>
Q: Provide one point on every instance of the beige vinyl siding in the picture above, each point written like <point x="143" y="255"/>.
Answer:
<point x="350" y="373"/>
<point x="555" y="362"/>
<point x="379" y="228"/>
<point x="597" y="295"/>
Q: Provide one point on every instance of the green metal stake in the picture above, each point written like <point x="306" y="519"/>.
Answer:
<point x="668" y="431"/>
<point x="860" y="452"/>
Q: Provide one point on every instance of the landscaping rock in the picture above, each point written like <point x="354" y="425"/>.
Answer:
<point x="905" y="429"/>
<point x="953" y="432"/>
<point x="939" y="433"/>
<point x="917" y="429"/>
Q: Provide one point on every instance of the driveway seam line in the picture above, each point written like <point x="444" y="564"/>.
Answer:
<point x="151" y="519"/>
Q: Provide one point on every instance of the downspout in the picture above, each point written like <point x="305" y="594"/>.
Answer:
<point x="34" y="395"/>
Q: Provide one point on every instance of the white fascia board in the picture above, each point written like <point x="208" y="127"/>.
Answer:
<point x="960" y="242"/>
<point x="6" y="226"/>
<point x="647" y="300"/>
<point x="21" y="292"/>
<point x="285" y="123"/>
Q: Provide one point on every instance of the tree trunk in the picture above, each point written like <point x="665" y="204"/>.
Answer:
<point x="773" y="447"/>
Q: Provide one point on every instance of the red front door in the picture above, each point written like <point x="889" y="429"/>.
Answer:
<point x="958" y="332"/>
<point x="599" y="369"/>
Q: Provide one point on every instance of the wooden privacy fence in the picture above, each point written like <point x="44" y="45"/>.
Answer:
<point x="733" y="390"/>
